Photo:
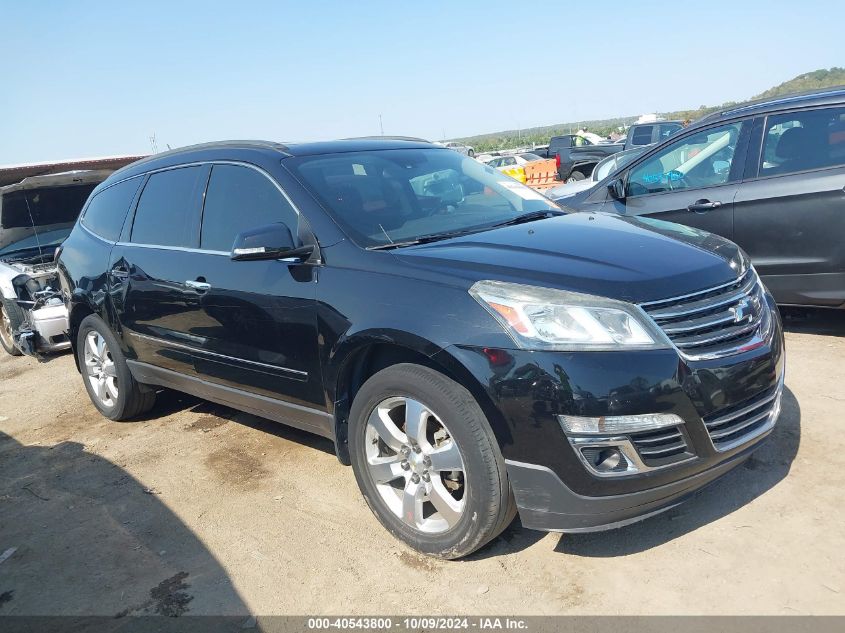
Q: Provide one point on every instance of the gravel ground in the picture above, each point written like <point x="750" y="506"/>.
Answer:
<point x="200" y="509"/>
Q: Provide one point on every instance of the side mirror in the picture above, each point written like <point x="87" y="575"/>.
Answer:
<point x="616" y="188"/>
<point x="272" y="241"/>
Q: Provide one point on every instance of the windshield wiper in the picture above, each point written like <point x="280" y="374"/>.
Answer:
<point x="529" y="217"/>
<point x="426" y="239"/>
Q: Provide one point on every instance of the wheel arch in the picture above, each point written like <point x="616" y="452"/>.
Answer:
<point x="358" y="360"/>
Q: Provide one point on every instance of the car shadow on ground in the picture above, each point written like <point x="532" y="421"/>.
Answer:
<point x="264" y="425"/>
<point x="762" y="471"/>
<point x="809" y="321"/>
<point x="169" y="402"/>
<point x="80" y="536"/>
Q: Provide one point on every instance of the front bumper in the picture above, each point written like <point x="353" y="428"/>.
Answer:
<point x="546" y="503"/>
<point x="48" y="331"/>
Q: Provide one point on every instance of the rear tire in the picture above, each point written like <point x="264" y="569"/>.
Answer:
<point x="575" y="176"/>
<point x="442" y="489"/>
<point x="108" y="381"/>
<point x="11" y="318"/>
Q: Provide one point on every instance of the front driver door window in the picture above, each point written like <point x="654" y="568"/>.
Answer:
<point x="692" y="181"/>
<point x="257" y="323"/>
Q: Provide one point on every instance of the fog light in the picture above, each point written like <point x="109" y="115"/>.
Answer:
<point x="605" y="460"/>
<point x="617" y="424"/>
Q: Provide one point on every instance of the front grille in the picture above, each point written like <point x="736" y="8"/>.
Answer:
<point x="714" y="322"/>
<point x="736" y="425"/>
<point x="661" y="447"/>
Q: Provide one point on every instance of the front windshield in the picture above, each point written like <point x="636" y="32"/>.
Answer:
<point x="392" y="196"/>
<point x="45" y="240"/>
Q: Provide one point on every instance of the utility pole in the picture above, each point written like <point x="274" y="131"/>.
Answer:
<point x="153" y="144"/>
<point x="380" y="125"/>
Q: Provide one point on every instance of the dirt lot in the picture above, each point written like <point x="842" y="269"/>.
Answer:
<point x="201" y="509"/>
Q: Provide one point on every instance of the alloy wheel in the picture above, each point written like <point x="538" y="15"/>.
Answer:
<point x="415" y="464"/>
<point x="100" y="369"/>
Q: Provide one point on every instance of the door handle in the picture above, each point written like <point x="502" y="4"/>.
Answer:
<point x="199" y="286"/>
<point x="699" y="206"/>
<point x="118" y="272"/>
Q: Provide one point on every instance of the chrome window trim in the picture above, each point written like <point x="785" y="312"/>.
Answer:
<point x="95" y="193"/>
<point x="202" y="163"/>
<point x="199" y="350"/>
<point x="184" y="249"/>
<point x="95" y="235"/>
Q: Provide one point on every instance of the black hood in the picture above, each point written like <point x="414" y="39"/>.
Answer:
<point x="632" y="259"/>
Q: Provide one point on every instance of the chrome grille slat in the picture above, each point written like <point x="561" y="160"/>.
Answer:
<point x="662" y="447"/>
<point x="662" y="450"/>
<point x="716" y="321"/>
<point x="701" y="323"/>
<point x="657" y="440"/>
<point x="741" y="412"/>
<point x="715" y="435"/>
<point x="702" y="339"/>
<point x="701" y="305"/>
<point x="750" y="420"/>
<point x="698" y="293"/>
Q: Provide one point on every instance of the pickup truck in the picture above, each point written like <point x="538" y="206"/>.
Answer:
<point x="576" y="156"/>
<point x="648" y="133"/>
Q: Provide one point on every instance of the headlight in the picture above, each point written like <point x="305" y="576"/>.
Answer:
<point x="543" y="318"/>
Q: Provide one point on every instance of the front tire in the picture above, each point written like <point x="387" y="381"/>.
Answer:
<point x="427" y="462"/>
<point x="108" y="381"/>
<point x="11" y="317"/>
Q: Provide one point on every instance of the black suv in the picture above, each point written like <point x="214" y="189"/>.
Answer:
<point x="769" y="176"/>
<point x="470" y="349"/>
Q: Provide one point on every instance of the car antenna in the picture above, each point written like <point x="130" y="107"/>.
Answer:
<point x="385" y="234"/>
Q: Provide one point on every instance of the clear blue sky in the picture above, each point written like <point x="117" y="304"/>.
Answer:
<point x="93" y="78"/>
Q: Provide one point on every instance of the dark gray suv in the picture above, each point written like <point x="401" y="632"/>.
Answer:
<point x="769" y="176"/>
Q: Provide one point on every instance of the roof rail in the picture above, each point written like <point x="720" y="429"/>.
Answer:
<point x="785" y="99"/>
<point x="386" y="138"/>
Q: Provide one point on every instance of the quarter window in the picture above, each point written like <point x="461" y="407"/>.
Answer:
<point x="167" y="209"/>
<point x="799" y="141"/>
<point x="238" y="199"/>
<point x="702" y="159"/>
<point x="107" y="210"/>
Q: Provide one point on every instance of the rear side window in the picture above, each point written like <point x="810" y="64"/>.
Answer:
<point x="642" y="135"/>
<point x="107" y="210"/>
<point x="557" y="144"/>
<point x="238" y="199"/>
<point x="167" y="209"/>
<point x="798" y="141"/>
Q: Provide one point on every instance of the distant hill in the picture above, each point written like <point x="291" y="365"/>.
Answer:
<point x="823" y="78"/>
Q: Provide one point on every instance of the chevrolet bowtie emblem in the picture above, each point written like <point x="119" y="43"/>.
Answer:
<point x="741" y="311"/>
